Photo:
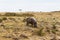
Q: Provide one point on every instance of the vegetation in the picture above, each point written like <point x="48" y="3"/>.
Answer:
<point x="47" y="26"/>
<point x="10" y="14"/>
<point x="15" y="14"/>
<point x="4" y="18"/>
<point x="0" y="20"/>
<point x="40" y="32"/>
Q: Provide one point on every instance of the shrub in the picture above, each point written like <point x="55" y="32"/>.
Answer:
<point x="10" y="14"/>
<point x="14" y="14"/>
<point x="4" y="18"/>
<point x="54" y="29"/>
<point x="47" y="30"/>
<point x="40" y="32"/>
<point x="28" y="14"/>
<point x="1" y="20"/>
<point x="13" y="19"/>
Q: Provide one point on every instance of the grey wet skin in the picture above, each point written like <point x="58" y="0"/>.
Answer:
<point x="31" y="21"/>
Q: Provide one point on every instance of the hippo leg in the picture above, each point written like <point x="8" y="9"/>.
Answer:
<point x="35" y="24"/>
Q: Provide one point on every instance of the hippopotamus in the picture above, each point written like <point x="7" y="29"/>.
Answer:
<point x="30" y="20"/>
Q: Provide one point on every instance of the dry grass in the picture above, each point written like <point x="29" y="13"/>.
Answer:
<point x="13" y="28"/>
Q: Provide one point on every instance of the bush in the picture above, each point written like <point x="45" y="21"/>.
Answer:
<point x="13" y="19"/>
<point x="14" y="14"/>
<point x="1" y="20"/>
<point x="10" y="14"/>
<point x="27" y="14"/>
<point x="54" y="29"/>
<point x="40" y="32"/>
<point x="4" y="18"/>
